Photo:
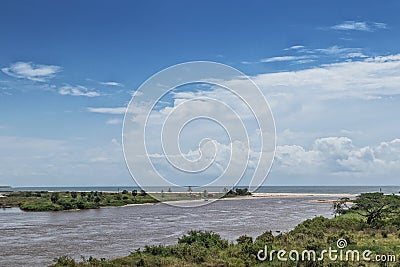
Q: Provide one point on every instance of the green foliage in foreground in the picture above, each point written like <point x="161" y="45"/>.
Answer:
<point x="57" y="201"/>
<point x="199" y="248"/>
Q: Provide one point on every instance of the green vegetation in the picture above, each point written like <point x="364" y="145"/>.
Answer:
<point x="381" y="235"/>
<point x="57" y="201"/>
<point x="237" y="192"/>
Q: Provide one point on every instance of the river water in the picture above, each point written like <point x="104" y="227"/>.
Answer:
<point x="35" y="239"/>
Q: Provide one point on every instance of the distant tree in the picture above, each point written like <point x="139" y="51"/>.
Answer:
<point x="143" y="193"/>
<point x="162" y="193"/>
<point x="54" y="197"/>
<point x="80" y="204"/>
<point x="231" y="192"/>
<point x="74" y="194"/>
<point x="83" y="194"/>
<point x="124" y="192"/>
<point x="97" y="199"/>
<point x="134" y="193"/>
<point x="190" y="190"/>
<point x="169" y="190"/>
<point x="90" y="196"/>
<point x="340" y="206"/>
<point x="205" y="193"/>
<point x="242" y="192"/>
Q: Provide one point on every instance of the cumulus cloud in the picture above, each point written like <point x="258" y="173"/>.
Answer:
<point x="339" y="155"/>
<point x="77" y="90"/>
<point x="31" y="71"/>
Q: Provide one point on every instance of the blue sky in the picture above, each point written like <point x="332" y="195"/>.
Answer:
<point x="330" y="70"/>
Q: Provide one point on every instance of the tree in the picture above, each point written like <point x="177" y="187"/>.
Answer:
<point x="124" y="192"/>
<point x="74" y="194"/>
<point x="340" y="206"/>
<point x="376" y="207"/>
<point x="190" y="190"/>
<point x="134" y="193"/>
<point x="242" y="192"/>
<point x="143" y="193"/>
<point x="97" y="199"/>
<point x="54" y="197"/>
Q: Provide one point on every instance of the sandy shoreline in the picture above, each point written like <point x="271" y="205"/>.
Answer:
<point x="321" y="198"/>
<point x="284" y="195"/>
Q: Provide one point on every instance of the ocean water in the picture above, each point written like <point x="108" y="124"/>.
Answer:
<point x="262" y="189"/>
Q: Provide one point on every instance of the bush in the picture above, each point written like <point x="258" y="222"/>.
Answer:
<point x="266" y="237"/>
<point x="205" y="239"/>
<point x="244" y="239"/>
<point x="64" y="261"/>
<point x="385" y="234"/>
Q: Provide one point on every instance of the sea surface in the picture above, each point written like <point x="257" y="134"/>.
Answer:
<point x="34" y="239"/>
<point x="262" y="189"/>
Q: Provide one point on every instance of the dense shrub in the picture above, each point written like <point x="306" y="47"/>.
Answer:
<point x="205" y="239"/>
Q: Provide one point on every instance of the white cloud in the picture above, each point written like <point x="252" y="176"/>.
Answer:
<point x="114" y="121"/>
<point x="308" y="55"/>
<point x="355" y="55"/>
<point x="111" y="83"/>
<point x="364" y="79"/>
<point x="359" y="26"/>
<point x="294" y="47"/>
<point x="31" y="71"/>
<point x="338" y="155"/>
<point x="77" y="90"/>
<point x="115" y="111"/>
<point x="281" y="58"/>
<point x="337" y="50"/>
